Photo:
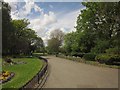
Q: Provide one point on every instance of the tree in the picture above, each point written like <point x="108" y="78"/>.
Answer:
<point x="39" y="45"/>
<point x="0" y="29"/>
<point x="6" y="28"/>
<point x="27" y="37"/>
<point x="55" y="41"/>
<point x="71" y="43"/>
<point x="17" y="38"/>
<point x="99" y="22"/>
<point x="57" y="34"/>
<point x="53" y="45"/>
<point x="97" y="30"/>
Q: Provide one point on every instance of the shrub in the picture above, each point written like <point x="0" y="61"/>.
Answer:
<point x="115" y="59"/>
<point x="76" y="54"/>
<point x="108" y="58"/>
<point x="73" y="53"/>
<point x="115" y="50"/>
<point x="89" y="56"/>
<point x="81" y="54"/>
<point x="102" y="58"/>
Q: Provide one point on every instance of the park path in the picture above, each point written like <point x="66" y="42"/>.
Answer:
<point x="69" y="74"/>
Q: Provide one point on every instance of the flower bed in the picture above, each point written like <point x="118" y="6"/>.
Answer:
<point x="6" y="76"/>
<point x="23" y="71"/>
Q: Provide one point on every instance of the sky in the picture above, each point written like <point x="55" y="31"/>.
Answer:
<point x="45" y="17"/>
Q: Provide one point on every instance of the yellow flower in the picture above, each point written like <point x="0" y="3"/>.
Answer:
<point x="2" y="78"/>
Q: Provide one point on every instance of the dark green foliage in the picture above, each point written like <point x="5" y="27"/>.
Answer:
<point x="97" y="31"/>
<point x="76" y="54"/>
<point x="108" y="58"/>
<point x="6" y="27"/>
<point x="102" y="58"/>
<point x="17" y="38"/>
<point x="114" y="50"/>
<point x="89" y="56"/>
<point x="101" y="46"/>
<point x="68" y="40"/>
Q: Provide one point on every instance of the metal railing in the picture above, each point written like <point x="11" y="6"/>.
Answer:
<point x="37" y="79"/>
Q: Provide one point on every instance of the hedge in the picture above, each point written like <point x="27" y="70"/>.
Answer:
<point x="76" y="54"/>
<point x="89" y="56"/>
<point x="108" y="58"/>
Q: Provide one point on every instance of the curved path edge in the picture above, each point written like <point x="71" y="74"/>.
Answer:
<point x="39" y="79"/>
<point x="69" y="74"/>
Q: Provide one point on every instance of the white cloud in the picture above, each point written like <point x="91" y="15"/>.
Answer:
<point x="13" y="5"/>
<point x="67" y="21"/>
<point x="44" y="24"/>
<point x="25" y="10"/>
<point x="41" y="23"/>
<point x="11" y="1"/>
<point x="48" y="19"/>
<point x="29" y="5"/>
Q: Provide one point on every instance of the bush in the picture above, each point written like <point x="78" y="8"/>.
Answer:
<point x="102" y="58"/>
<point x="76" y="54"/>
<point x="108" y="58"/>
<point x="89" y="56"/>
<point x="115" y="59"/>
<point x="73" y="53"/>
<point x="115" y="50"/>
<point x="81" y="54"/>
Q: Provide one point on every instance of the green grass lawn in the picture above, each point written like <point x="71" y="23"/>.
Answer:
<point x="23" y="72"/>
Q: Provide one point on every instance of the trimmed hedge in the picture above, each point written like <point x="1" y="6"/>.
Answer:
<point x="89" y="56"/>
<point x="77" y="54"/>
<point x="108" y="58"/>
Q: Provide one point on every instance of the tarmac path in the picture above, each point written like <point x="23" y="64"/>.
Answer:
<point x="69" y="74"/>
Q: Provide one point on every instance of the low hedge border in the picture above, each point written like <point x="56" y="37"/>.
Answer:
<point x="109" y="59"/>
<point x="95" y="63"/>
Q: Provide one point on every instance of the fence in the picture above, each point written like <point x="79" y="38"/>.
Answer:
<point x="37" y="79"/>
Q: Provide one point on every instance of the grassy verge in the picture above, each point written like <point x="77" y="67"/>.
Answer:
<point x="78" y="59"/>
<point x="23" y="72"/>
<point x="39" y="54"/>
